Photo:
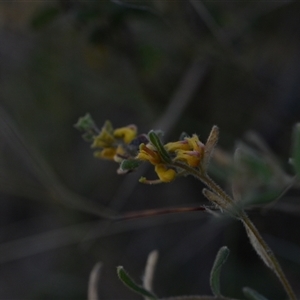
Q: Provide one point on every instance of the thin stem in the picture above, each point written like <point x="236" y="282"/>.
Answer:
<point x="203" y="177"/>
<point x="241" y="215"/>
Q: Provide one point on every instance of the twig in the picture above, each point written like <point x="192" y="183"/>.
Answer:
<point x="93" y="282"/>
<point x="157" y="212"/>
<point x="149" y="270"/>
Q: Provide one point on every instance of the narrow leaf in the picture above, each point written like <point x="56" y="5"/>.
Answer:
<point x="296" y="148"/>
<point x="129" y="164"/>
<point x="128" y="281"/>
<point x="85" y="123"/>
<point x="155" y="140"/>
<point x="260" y="250"/>
<point x="94" y="282"/>
<point x="252" y="294"/>
<point x="214" y="198"/>
<point x="211" y="144"/>
<point x="231" y="209"/>
<point x="149" y="270"/>
<point x="216" y="270"/>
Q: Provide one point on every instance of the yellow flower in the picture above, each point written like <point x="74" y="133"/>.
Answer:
<point x="106" y="153"/>
<point x="192" y="158"/>
<point x="165" y="174"/>
<point x="179" y="145"/>
<point x="127" y="133"/>
<point x="195" y="144"/>
<point x="105" y="139"/>
<point x="146" y="153"/>
<point x="190" y="150"/>
<point x="120" y="154"/>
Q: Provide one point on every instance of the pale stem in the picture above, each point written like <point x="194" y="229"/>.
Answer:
<point x="241" y="215"/>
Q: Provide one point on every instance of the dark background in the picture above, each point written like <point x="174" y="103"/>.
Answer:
<point x="171" y="65"/>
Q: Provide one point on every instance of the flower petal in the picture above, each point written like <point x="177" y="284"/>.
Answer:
<point x="165" y="174"/>
<point x="192" y="158"/>
<point x="127" y="133"/>
<point x="106" y="153"/>
<point x="179" y="145"/>
<point x="146" y="153"/>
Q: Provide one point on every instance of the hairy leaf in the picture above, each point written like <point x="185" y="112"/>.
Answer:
<point x="216" y="270"/>
<point x="128" y="281"/>
<point x="155" y="140"/>
<point x="260" y="250"/>
<point x="129" y="164"/>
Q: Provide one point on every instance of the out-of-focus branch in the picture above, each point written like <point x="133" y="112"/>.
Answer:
<point x="93" y="282"/>
<point x="210" y="22"/>
<point x="149" y="270"/>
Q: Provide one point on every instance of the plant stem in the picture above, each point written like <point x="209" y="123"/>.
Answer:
<point x="268" y="256"/>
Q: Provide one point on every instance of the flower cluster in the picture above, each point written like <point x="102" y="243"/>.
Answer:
<point x="124" y="146"/>
<point x="190" y="150"/>
<point x="113" y="142"/>
<point x="149" y="153"/>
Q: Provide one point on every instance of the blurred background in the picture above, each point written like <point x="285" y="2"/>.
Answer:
<point x="172" y="65"/>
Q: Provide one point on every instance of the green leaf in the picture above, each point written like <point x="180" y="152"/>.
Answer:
<point x="252" y="294"/>
<point x="260" y="249"/>
<point x="216" y="270"/>
<point x="85" y="123"/>
<point x="128" y="281"/>
<point x="155" y="140"/>
<point x="129" y="164"/>
<point x="296" y="148"/>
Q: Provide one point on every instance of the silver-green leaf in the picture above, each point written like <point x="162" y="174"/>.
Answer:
<point x="216" y="270"/>
<point x="129" y="282"/>
<point x="155" y="140"/>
